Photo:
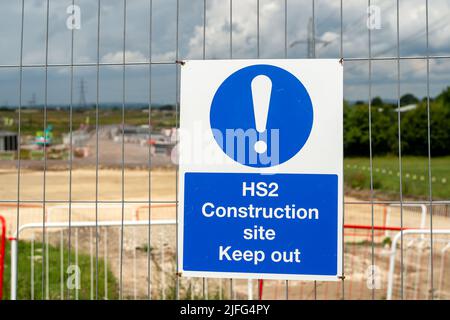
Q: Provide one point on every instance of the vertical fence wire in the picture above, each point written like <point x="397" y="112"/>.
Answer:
<point x="32" y="267"/>
<point x="258" y="7"/>
<point x="97" y="146"/>
<point x="123" y="144"/>
<point x="231" y="57"/>
<point x="77" y="279"/>
<point x="313" y="40"/>
<point x="69" y="240"/>
<point x="150" y="51"/>
<point x="249" y="281"/>
<point x="19" y="133"/>
<point x="204" y="284"/>
<point x="399" y="148"/>
<point x="341" y="55"/>
<point x="44" y="237"/>
<point x="105" y="264"/>
<point x="369" y="28"/>
<point x="257" y="29"/>
<point x="61" y="261"/>
<point x="204" y="30"/>
<point x="177" y="111"/>
<point x="430" y="188"/>
<point x="231" y="29"/>
<point x="285" y="29"/>
<point x="285" y="57"/>
<point x="91" y="265"/>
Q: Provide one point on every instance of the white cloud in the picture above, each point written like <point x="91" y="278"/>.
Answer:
<point x="130" y="56"/>
<point x="412" y="33"/>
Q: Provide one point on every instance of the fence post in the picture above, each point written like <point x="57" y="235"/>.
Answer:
<point x="441" y="273"/>
<point x="250" y="289"/>
<point x="392" y="254"/>
<point x="13" y="268"/>
<point x="423" y="216"/>
<point x="2" y="253"/>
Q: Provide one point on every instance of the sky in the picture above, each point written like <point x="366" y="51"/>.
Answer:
<point x="412" y="37"/>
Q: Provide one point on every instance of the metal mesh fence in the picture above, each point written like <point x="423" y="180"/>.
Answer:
<point x="139" y="261"/>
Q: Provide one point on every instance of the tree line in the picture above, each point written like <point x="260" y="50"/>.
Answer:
<point x="384" y="128"/>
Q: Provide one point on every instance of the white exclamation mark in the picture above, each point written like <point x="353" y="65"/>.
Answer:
<point x="261" y="91"/>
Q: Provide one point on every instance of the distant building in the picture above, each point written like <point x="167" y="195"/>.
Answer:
<point x="79" y="138"/>
<point x="408" y="107"/>
<point x="165" y="141"/>
<point x="8" y="141"/>
<point x="133" y="134"/>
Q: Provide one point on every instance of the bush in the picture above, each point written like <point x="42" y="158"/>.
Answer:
<point x="384" y="129"/>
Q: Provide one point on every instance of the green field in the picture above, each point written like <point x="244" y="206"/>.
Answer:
<point x="32" y="120"/>
<point x="54" y="254"/>
<point x="386" y="176"/>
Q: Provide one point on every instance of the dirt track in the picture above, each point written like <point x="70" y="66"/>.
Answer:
<point x="136" y="188"/>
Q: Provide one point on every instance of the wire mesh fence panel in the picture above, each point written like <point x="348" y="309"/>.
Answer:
<point x="89" y="106"/>
<point x="416" y="270"/>
<point x="2" y="252"/>
<point x="80" y="279"/>
<point x="49" y="266"/>
<point x="29" y="213"/>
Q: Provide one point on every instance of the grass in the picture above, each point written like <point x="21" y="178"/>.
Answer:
<point x="386" y="176"/>
<point x="54" y="289"/>
<point x="187" y="291"/>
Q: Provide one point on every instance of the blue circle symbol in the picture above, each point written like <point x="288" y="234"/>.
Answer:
<point x="261" y="92"/>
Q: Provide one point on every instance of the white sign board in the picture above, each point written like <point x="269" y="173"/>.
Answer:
<point x="260" y="172"/>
